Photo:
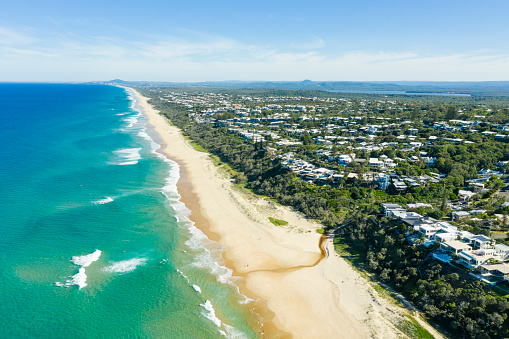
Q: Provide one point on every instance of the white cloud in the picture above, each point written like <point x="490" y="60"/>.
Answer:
<point x="11" y="37"/>
<point x="200" y="57"/>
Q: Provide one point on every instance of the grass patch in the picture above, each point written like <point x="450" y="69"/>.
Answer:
<point x="278" y="222"/>
<point x="259" y="196"/>
<point x="320" y="231"/>
<point x="197" y="147"/>
<point x="413" y="329"/>
<point x="225" y="167"/>
<point x="382" y="291"/>
<point x="501" y="289"/>
<point x="357" y="258"/>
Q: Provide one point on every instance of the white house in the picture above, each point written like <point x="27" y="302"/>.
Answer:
<point x="482" y="242"/>
<point x="375" y="162"/>
<point x="454" y="247"/>
<point x="465" y="195"/>
<point x="457" y="215"/>
<point x="473" y="259"/>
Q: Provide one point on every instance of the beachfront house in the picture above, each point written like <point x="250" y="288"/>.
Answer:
<point x="500" y="270"/>
<point x="481" y="242"/>
<point x="454" y="247"/>
<point x="474" y="259"/>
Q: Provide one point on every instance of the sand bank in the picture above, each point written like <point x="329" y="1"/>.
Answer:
<point x="295" y="297"/>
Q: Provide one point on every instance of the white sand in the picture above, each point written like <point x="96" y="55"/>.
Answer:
<point x="328" y="300"/>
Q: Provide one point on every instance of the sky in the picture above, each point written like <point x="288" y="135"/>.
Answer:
<point x="277" y="40"/>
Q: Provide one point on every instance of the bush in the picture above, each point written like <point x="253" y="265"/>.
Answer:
<point x="437" y="214"/>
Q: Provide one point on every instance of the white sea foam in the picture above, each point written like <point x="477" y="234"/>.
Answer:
<point x="153" y="145"/>
<point x="103" y="201"/>
<point x="185" y="276"/>
<point x="208" y="255"/>
<point x="209" y="252"/>
<point x="195" y="287"/>
<point x="80" y="278"/>
<point x="128" y="156"/>
<point x="210" y="313"/>
<point x="126" y="266"/>
<point x="131" y="120"/>
<point x="208" y="258"/>
<point x="233" y="333"/>
<point x="86" y="260"/>
<point x="246" y="300"/>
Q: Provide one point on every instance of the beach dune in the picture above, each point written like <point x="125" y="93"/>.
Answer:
<point x="299" y="290"/>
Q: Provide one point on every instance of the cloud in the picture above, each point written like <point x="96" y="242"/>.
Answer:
<point x="10" y="37"/>
<point x="194" y="56"/>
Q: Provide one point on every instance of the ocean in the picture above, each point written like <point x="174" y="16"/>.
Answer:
<point x="94" y="240"/>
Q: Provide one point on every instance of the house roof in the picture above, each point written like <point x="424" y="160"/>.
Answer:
<point x="501" y="248"/>
<point x="466" y="193"/>
<point x="457" y="245"/>
<point x="481" y="238"/>
<point x="501" y="267"/>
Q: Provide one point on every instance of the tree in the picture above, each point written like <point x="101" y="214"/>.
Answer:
<point x="451" y="113"/>
<point x="414" y="115"/>
<point x="307" y="139"/>
<point x="443" y="207"/>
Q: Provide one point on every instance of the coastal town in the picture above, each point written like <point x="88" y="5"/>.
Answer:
<point x="219" y="169"/>
<point x="368" y="141"/>
<point x="429" y="178"/>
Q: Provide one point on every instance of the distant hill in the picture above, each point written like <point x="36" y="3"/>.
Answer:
<point x="484" y="88"/>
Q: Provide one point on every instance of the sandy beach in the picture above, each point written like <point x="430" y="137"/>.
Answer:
<point x="296" y="296"/>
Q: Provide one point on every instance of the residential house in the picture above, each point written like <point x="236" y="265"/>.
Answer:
<point x="389" y="209"/>
<point x="481" y="242"/>
<point x="430" y="161"/>
<point x="399" y="185"/>
<point x="465" y="195"/>
<point x="476" y="186"/>
<point x="428" y="230"/>
<point x="502" y="250"/>
<point x="454" y="247"/>
<point x="457" y="215"/>
<point x="376" y="163"/>
<point x="500" y="270"/>
<point x="382" y="180"/>
<point x="474" y="259"/>
<point x="345" y="159"/>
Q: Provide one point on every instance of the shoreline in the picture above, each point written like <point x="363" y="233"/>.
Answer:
<point x="301" y="289"/>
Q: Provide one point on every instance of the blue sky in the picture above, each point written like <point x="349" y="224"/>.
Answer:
<point x="445" y="40"/>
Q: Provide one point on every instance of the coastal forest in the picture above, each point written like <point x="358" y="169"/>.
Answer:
<point x="351" y="208"/>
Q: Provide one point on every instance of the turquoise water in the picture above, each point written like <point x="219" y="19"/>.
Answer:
<point x="94" y="242"/>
